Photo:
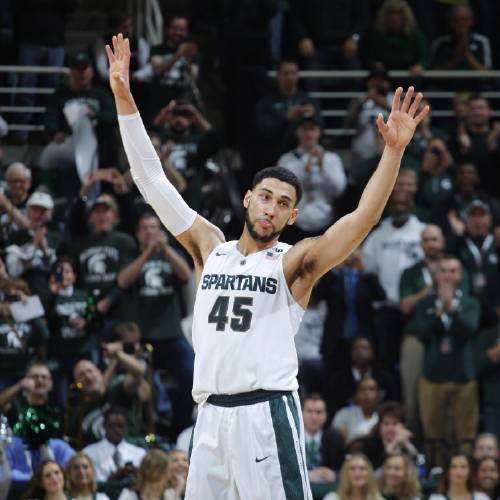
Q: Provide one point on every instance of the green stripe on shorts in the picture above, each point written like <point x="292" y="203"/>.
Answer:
<point x="287" y="455"/>
<point x="295" y="412"/>
<point x="190" y="449"/>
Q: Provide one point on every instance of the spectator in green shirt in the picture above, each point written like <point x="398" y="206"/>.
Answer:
<point x="488" y="368"/>
<point x="396" y="42"/>
<point x="154" y="278"/>
<point x="435" y="186"/>
<point x="446" y="322"/>
<point x="69" y="339"/>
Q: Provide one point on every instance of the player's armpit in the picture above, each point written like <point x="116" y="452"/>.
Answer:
<point x="200" y="239"/>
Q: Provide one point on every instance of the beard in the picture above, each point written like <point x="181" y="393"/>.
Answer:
<point x="256" y="236"/>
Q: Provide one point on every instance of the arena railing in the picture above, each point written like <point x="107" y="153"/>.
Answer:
<point x="12" y="90"/>
<point x="328" y="111"/>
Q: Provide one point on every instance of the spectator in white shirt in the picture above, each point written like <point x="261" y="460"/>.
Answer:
<point x="322" y="176"/>
<point x="389" y="249"/>
<point x="112" y="456"/>
<point x="357" y="421"/>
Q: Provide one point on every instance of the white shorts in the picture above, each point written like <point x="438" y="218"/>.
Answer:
<point x="251" y="448"/>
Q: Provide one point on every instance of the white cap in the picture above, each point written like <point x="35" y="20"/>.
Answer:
<point x="40" y="199"/>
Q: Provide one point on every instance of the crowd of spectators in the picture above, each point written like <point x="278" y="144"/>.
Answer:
<point x="399" y="349"/>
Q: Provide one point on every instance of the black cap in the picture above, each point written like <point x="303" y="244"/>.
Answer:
<point x="478" y="205"/>
<point x="79" y="60"/>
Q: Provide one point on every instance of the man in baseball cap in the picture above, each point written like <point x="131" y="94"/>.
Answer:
<point x="40" y="199"/>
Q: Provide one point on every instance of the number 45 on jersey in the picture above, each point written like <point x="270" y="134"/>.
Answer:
<point x="241" y="314"/>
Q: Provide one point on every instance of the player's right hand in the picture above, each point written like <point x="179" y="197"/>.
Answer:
<point x="119" y="62"/>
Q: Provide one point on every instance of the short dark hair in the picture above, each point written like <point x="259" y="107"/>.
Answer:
<point x="283" y="175"/>
<point x="392" y="409"/>
<point x="478" y="97"/>
<point x="147" y="214"/>
<point x="287" y="60"/>
<point x="313" y="396"/>
<point x="115" y="410"/>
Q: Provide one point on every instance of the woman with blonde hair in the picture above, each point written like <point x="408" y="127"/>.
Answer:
<point x="356" y="480"/>
<point x="396" y="42"/>
<point x="152" y="478"/>
<point x="399" y="479"/>
<point x="80" y="479"/>
<point x="177" y="474"/>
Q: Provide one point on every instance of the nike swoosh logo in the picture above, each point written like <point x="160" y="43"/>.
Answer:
<point x="219" y="254"/>
<point x="257" y="460"/>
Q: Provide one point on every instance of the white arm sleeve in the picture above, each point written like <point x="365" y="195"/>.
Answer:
<point x="150" y="178"/>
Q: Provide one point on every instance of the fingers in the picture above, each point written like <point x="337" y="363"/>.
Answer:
<point x="407" y="100"/>
<point x="415" y="105"/>
<point x="382" y="126"/>
<point x="127" y="48"/>
<point x="109" y="52"/>
<point x="114" y="41"/>
<point x="121" y="46"/>
<point x="422" y="115"/>
<point x="396" y="99"/>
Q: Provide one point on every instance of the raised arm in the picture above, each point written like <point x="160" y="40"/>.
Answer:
<point x="312" y="258"/>
<point x="195" y="233"/>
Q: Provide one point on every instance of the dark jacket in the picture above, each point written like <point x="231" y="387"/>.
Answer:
<point x="331" y="288"/>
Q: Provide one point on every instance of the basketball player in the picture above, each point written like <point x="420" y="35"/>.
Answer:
<point x="248" y="442"/>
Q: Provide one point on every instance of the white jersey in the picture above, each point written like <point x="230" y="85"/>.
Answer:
<point x="244" y="323"/>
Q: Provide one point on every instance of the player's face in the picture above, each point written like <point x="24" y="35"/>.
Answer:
<point x="270" y="207"/>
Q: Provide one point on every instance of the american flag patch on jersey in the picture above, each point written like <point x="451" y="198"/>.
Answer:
<point x="272" y="256"/>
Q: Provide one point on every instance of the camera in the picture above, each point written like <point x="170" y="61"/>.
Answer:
<point x="10" y="297"/>
<point x="128" y="348"/>
<point x="181" y="112"/>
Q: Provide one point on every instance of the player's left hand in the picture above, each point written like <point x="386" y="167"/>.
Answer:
<point x="403" y="120"/>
